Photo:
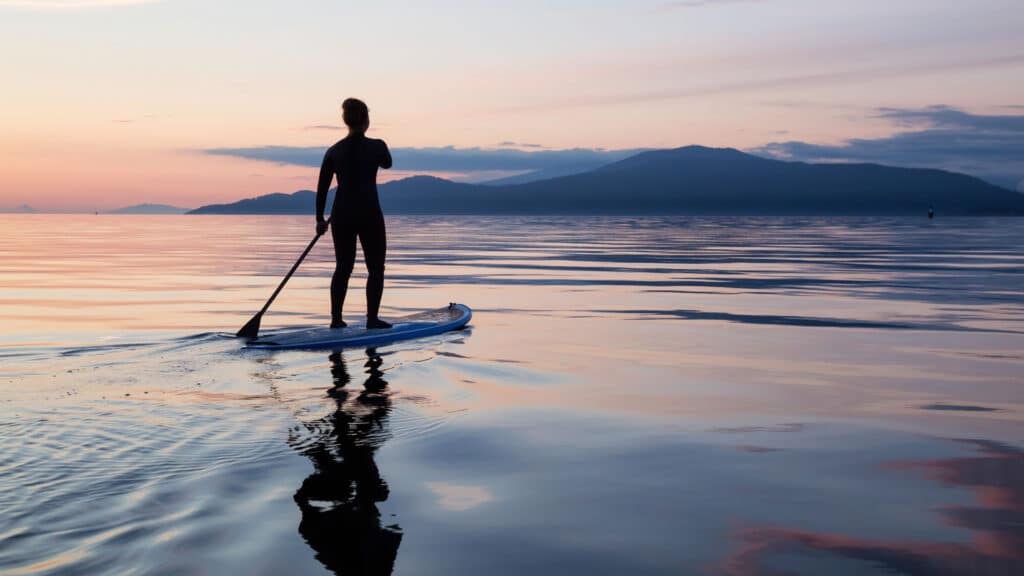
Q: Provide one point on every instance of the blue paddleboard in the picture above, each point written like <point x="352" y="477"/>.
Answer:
<point x="429" y="323"/>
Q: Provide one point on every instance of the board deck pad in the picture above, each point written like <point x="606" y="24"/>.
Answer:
<point x="428" y="323"/>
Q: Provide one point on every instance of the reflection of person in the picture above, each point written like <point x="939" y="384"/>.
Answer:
<point x="338" y="501"/>
<point x="356" y="211"/>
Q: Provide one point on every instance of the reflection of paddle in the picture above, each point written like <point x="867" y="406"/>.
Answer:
<point x="252" y="327"/>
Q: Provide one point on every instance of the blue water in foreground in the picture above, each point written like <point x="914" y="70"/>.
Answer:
<point x="633" y="396"/>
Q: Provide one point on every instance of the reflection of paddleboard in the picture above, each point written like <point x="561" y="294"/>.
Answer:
<point x="428" y="323"/>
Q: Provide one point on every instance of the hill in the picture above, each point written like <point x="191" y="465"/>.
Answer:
<point x="149" y="209"/>
<point x="301" y="202"/>
<point x="689" y="180"/>
<point x="23" y="209"/>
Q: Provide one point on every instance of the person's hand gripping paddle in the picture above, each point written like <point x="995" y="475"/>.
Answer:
<point x="252" y="327"/>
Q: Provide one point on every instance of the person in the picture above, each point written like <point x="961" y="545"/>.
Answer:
<point x="356" y="213"/>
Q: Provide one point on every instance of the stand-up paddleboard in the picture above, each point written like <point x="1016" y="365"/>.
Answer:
<point x="429" y="323"/>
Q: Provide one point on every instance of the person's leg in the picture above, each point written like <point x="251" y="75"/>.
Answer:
<point x="373" y="238"/>
<point x="344" y="235"/>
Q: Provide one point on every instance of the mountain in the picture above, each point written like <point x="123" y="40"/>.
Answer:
<point x="149" y="209"/>
<point x="689" y="180"/>
<point x="543" y="174"/>
<point x="301" y="202"/>
<point x="23" y="209"/>
<point x="277" y="203"/>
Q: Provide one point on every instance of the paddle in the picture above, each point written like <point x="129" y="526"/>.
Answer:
<point x="252" y="327"/>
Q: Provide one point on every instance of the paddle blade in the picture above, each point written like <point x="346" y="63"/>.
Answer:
<point x="251" y="329"/>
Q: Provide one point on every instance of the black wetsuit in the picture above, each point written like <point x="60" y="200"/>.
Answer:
<point x="356" y="213"/>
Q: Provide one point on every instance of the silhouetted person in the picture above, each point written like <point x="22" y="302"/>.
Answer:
<point x="340" y="519"/>
<point x="931" y="212"/>
<point x="356" y="211"/>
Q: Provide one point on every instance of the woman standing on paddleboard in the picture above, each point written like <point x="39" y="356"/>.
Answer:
<point x="356" y="212"/>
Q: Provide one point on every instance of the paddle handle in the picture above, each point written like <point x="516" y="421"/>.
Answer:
<point x="292" y="271"/>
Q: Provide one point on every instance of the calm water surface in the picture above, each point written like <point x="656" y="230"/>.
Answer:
<point x="633" y="396"/>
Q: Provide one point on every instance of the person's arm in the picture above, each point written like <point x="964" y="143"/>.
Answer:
<point x="385" y="158"/>
<point x="322" y="186"/>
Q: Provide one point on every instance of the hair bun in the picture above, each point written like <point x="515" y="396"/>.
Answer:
<point x="355" y="113"/>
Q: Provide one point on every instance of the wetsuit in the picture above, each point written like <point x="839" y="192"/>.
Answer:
<point x="356" y="213"/>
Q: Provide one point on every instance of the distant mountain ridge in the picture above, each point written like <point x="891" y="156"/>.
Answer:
<point x="543" y="174"/>
<point x="23" y="209"/>
<point x="149" y="209"/>
<point x="301" y="202"/>
<point x="688" y="180"/>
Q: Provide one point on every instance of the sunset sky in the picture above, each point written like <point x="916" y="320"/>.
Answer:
<point x="108" y="103"/>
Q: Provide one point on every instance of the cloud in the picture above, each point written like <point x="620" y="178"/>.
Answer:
<point x="510" y="144"/>
<point x="322" y="127"/>
<point x="446" y="158"/>
<point x="788" y="427"/>
<point x="70" y="4"/>
<point x="459" y="497"/>
<point x="988" y="146"/>
<point x="811" y="79"/>
<point x="131" y="120"/>
<point x="991" y="523"/>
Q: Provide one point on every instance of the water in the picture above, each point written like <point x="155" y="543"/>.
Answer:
<point x="634" y="396"/>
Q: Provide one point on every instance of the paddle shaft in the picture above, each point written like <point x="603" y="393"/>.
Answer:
<point x="283" y="282"/>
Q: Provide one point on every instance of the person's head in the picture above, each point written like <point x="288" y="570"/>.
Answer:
<point x="356" y="115"/>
